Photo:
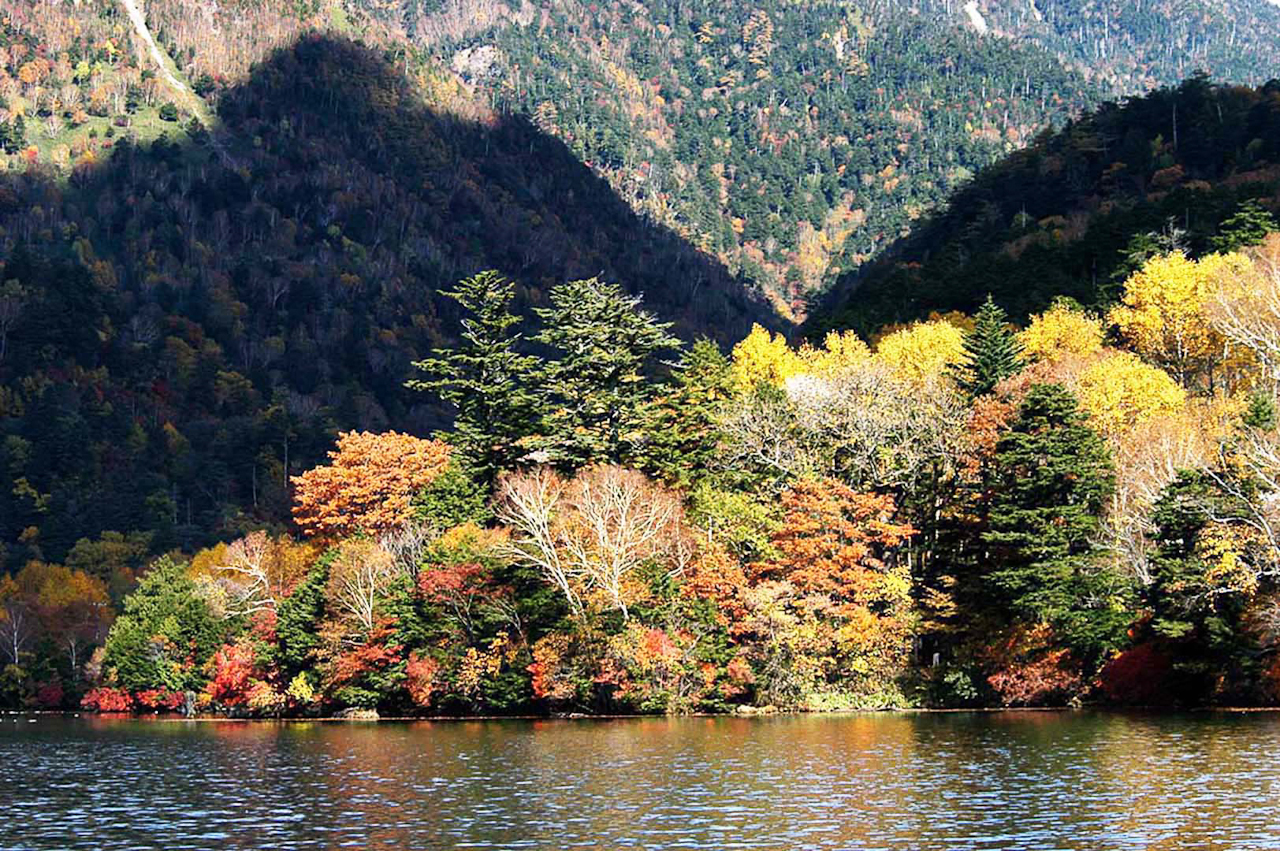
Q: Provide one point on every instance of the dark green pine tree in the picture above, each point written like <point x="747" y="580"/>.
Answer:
<point x="595" y="387"/>
<point x="1249" y="225"/>
<point x="1050" y="482"/>
<point x="1261" y="413"/>
<point x="1203" y="627"/>
<point x="992" y="353"/>
<point x="485" y="379"/>
<point x="680" y="435"/>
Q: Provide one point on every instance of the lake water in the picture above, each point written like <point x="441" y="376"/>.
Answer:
<point x="895" y="781"/>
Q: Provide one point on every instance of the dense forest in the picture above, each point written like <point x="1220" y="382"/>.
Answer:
<point x="262" y="244"/>
<point x="797" y="140"/>
<point x="185" y="325"/>
<point x="965" y="513"/>
<point x="792" y="142"/>
<point x="1073" y="213"/>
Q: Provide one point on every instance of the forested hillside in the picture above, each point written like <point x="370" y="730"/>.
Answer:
<point x="796" y="140"/>
<point x="793" y="142"/>
<point x="790" y="140"/>
<point x="229" y="231"/>
<point x="188" y="320"/>
<point x="966" y="513"/>
<point x="1078" y="210"/>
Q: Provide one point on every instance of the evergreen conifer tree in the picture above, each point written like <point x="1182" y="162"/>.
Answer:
<point x="595" y="387"/>
<point x="1247" y="226"/>
<point x="680" y="434"/>
<point x="1051" y="479"/>
<point x="1261" y="413"/>
<point x="1205" y="628"/>
<point x="485" y="378"/>
<point x="992" y="353"/>
<point x="298" y="619"/>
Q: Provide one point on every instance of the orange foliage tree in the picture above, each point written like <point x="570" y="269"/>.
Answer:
<point x="829" y="619"/>
<point x="369" y="484"/>
<point x="835" y="540"/>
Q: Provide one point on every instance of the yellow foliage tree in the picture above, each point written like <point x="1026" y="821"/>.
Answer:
<point x="764" y="358"/>
<point x="923" y="350"/>
<point x="1061" y="330"/>
<point x="1120" y="390"/>
<point x="368" y="486"/>
<point x="1246" y="305"/>
<point x="1164" y="316"/>
<point x="254" y="572"/>
<point x="839" y="350"/>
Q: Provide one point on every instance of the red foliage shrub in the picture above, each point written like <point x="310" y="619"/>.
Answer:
<point x="107" y="700"/>
<point x="231" y="672"/>
<point x="1138" y="676"/>
<point x="1030" y="670"/>
<point x="443" y="583"/>
<point x="1050" y="679"/>
<point x="377" y="654"/>
<point x="50" y="695"/>
<point x="540" y="679"/>
<point x="421" y="672"/>
<point x="160" y="698"/>
<point x="740" y="672"/>
<point x="263" y="626"/>
<point x="659" y="646"/>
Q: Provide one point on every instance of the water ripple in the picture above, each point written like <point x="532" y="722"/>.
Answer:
<point x="955" y="782"/>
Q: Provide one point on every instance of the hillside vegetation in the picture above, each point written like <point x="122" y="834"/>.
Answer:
<point x="220" y="267"/>
<point x="967" y="513"/>
<point x="1079" y="209"/>
<point x="796" y="141"/>
<point x="792" y="141"/>
<point x="187" y="322"/>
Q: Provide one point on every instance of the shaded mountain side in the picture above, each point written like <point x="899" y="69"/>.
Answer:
<point x="184" y="327"/>
<point x="1066" y="215"/>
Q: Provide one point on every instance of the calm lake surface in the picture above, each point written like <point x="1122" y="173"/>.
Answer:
<point x="910" y="781"/>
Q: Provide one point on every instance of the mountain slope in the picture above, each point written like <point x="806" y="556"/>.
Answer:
<point x="796" y="140"/>
<point x="793" y="142"/>
<point x="186" y="327"/>
<point x="1062" y="216"/>
<point x="193" y="304"/>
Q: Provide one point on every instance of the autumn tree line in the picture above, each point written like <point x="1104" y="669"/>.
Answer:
<point x="958" y="512"/>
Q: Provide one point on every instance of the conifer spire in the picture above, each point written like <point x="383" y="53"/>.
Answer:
<point x="992" y="353"/>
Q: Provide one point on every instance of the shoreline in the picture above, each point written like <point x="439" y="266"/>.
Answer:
<point x="403" y="719"/>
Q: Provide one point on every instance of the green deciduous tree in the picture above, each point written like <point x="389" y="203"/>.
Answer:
<point x="168" y="631"/>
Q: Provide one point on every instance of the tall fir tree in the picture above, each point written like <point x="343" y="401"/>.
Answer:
<point x="1051" y="479"/>
<point x="1192" y="613"/>
<point x="486" y="379"/>
<point x="680" y="432"/>
<point x="1248" y="225"/>
<point x="595" y="388"/>
<point x="992" y="352"/>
